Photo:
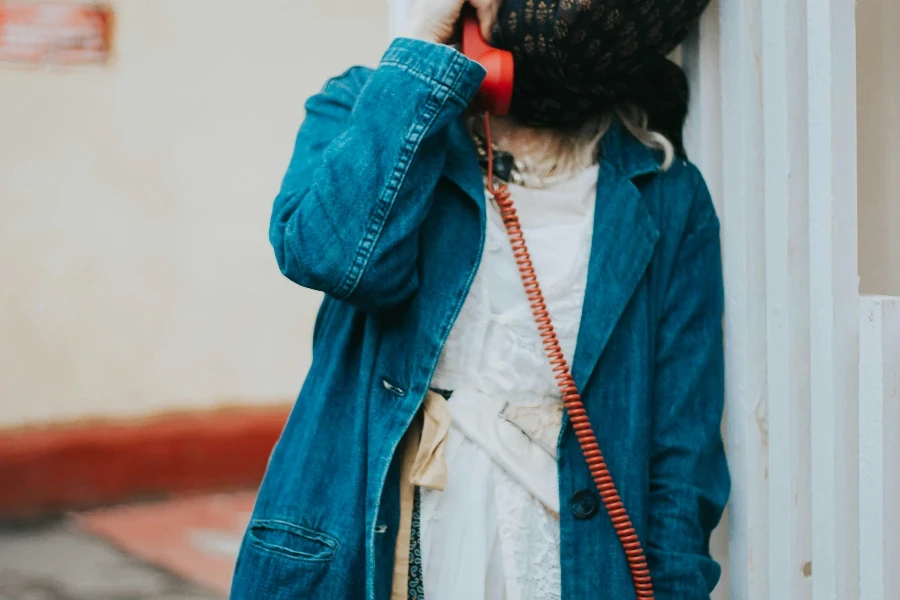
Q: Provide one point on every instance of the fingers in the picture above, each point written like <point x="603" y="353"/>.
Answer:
<point x="487" y="15"/>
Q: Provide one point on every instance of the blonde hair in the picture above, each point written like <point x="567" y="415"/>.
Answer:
<point x="545" y="156"/>
<point x="637" y="123"/>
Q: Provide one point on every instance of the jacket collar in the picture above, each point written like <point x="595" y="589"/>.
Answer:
<point x="625" y="157"/>
<point x="624" y="233"/>
<point x="628" y="157"/>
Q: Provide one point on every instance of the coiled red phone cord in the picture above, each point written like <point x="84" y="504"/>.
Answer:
<point x="634" y="553"/>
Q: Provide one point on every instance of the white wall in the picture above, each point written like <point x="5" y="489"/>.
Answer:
<point x="135" y="271"/>
<point x="878" y="46"/>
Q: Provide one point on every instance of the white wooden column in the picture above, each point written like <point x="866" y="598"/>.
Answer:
<point x="786" y="206"/>
<point x="879" y="447"/>
<point x="743" y="233"/>
<point x="831" y="44"/>
<point x="787" y="170"/>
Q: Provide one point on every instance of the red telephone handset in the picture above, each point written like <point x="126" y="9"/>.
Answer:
<point x="495" y="93"/>
<point x="494" y="98"/>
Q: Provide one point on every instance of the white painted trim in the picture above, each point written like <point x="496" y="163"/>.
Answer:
<point x="879" y="447"/>
<point x="834" y="300"/>
<point x="783" y="61"/>
<point x="743" y="237"/>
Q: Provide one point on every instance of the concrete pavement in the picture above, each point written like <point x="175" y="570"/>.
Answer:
<point x="56" y="561"/>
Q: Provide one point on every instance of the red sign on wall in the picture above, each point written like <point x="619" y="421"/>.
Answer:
<point x="59" y="33"/>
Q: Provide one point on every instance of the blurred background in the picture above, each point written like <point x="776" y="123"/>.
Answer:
<point x="149" y="348"/>
<point x="136" y="198"/>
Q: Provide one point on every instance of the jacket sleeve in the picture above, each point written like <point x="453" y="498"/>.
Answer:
<point x="689" y="480"/>
<point x="365" y="164"/>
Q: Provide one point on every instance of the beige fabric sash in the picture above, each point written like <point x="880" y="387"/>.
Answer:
<point x="520" y="439"/>
<point x="423" y="465"/>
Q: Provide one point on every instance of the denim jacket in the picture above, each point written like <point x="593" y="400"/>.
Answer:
<point x="383" y="209"/>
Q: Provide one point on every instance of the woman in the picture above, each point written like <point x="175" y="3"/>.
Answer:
<point x="428" y="454"/>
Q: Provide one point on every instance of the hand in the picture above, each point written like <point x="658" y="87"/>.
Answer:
<point x="435" y="20"/>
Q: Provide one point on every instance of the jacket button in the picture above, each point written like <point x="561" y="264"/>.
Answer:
<point x="584" y="504"/>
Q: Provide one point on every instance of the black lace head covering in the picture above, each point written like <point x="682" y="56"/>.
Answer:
<point x="575" y="59"/>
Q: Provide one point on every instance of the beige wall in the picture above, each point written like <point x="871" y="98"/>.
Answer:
<point x="878" y="51"/>
<point x="135" y="271"/>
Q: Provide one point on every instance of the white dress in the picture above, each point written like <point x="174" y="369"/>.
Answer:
<point x="493" y="533"/>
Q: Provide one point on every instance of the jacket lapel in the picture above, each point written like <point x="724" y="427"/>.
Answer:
<point x="625" y="235"/>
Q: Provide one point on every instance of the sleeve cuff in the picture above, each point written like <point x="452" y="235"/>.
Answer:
<point x="437" y="63"/>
